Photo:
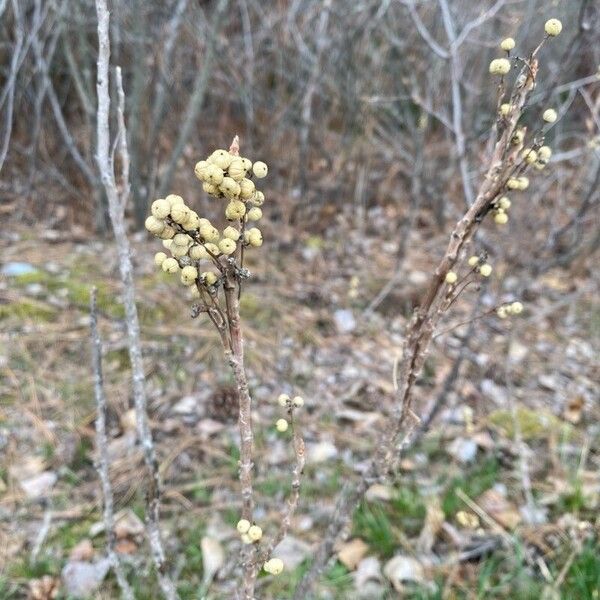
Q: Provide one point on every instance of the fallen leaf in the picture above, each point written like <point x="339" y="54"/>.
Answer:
<point x="403" y="568"/>
<point x="379" y="492"/>
<point x="126" y="547"/>
<point x="574" y="410"/>
<point x="213" y="557"/>
<point x="499" y="508"/>
<point x="82" y="551"/>
<point x="352" y="552"/>
<point x="45" y="588"/>
<point x="128" y="524"/>
<point x="434" y="519"/>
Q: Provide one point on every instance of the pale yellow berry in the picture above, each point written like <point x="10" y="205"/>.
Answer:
<point x="485" y="270"/>
<point x="260" y="169"/>
<point x="160" y="208"/>
<point x="154" y="225"/>
<point x="167" y="243"/>
<point x="193" y="221"/>
<point x="232" y="233"/>
<point x="254" y="237"/>
<point x="247" y="188"/>
<point x="523" y="182"/>
<point x="553" y="27"/>
<point x="179" y="251"/>
<point x="273" y="566"/>
<point x="235" y="210"/>
<point x="518" y="137"/>
<point x="246" y="539"/>
<point x="227" y="246"/>
<point x="283" y="400"/>
<point x="298" y="401"/>
<point x="211" y="189"/>
<point x="198" y="252"/>
<point x="188" y="275"/>
<point x="281" y="425"/>
<point x="181" y="239"/>
<point x="230" y="188"/>
<point x="451" y="277"/>
<point x="544" y="153"/>
<point x="255" y="533"/>
<point x="500" y="66"/>
<point x="501" y="312"/>
<point x="214" y="175"/>
<point x="550" y="115"/>
<point x="170" y="265"/>
<point x="209" y="233"/>
<point x="504" y="203"/>
<point x="254" y="214"/>
<point x="203" y="221"/>
<point x="473" y="260"/>
<point x="167" y="233"/>
<point x="159" y="258"/>
<point x="501" y="218"/>
<point x="237" y="170"/>
<point x="220" y="158"/>
<point x="247" y="164"/>
<point x="529" y="155"/>
<point x="201" y="169"/>
<point x="180" y="213"/>
<point x="243" y="526"/>
<point x="212" y="248"/>
<point x="505" y="109"/>
<point x="209" y="278"/>
<point x="513" y="183"/>
<point x="507" y="44"/>
<point x="516" y="308"/>
<point x="258" y="198"/>
<point x="174" y="199"/>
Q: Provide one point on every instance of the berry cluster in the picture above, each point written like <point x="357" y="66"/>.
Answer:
<point x="191" y="239"/>
<point x="506" y="310"/>
<point x="536" y="156"/>
<point x="290" y="403"/>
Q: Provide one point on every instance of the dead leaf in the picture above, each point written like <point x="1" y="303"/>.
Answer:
<point x="379" y="492"/>
<point x="82" y="551"/>
<point x="468" y="520"/>
<point x="45" y="588"/>
<point x="574" y="410"/>
<point x="128" y="524"/>
<point x="213" y="557"/>
<point x="401" y="569"/>
<point x="499" y="508"/>
<point x="434" y="519"/>
<point x="352" y="552"/>
<point x="128" y="420"/>
<point x="126" y="547"/>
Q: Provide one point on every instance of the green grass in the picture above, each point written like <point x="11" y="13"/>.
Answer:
<point x="382" y="524"/>
<point x="473" y="483"/>
<point x="583" y="578"/>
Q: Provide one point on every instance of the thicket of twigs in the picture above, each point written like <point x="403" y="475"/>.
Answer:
<point x="392" y="155"/>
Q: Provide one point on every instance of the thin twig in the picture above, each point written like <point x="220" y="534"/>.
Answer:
<point x="102" y="452"/>
<point x="116" y="204"/>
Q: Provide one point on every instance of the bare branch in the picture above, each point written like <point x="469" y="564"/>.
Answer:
<point x="102" y="452"/>
<point x="116" y="204"/>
